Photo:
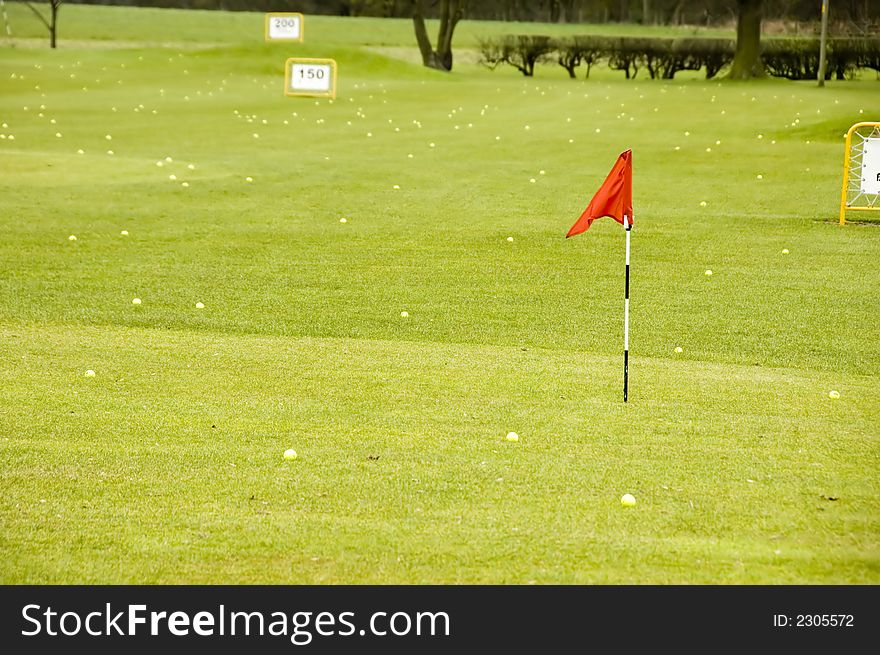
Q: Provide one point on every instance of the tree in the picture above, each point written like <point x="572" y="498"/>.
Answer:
<point x="747" y="58"/>
<point x="451" y="11"/>
<point x="52" y="22"/>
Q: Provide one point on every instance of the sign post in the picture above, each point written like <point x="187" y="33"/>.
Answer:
<point x="310" y="77"/>
<point x="284" y="27"/>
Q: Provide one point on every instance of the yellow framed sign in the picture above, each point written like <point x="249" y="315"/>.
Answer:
<point x="310" y="77"/>
<point x="861" y="170"/>
<point x="284" y="27"/>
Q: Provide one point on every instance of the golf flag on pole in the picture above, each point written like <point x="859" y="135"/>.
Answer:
<point x="614" y="199"/>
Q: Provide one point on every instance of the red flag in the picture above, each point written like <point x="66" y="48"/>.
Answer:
<point x="614" y="197"/>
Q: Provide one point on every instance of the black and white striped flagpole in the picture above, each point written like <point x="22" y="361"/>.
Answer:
<point x="628" y="221"/>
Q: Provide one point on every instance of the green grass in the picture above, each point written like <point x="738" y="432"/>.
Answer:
<point x="166" y="466"/>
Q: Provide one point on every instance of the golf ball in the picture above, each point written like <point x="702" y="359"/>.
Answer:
<point x="290" y="453"/>
<point x="785" y="251"/>
<point x="135" y="301"/>
<point x="90" y="373"/>
<point x="343" y="220"/>
<point x="72" y="237"/>
<point x="834" y="394"/>
<point x="708" y="271"/>
<point x="510" y="238"/>
<point x="404" y="314"/>
<point x="679" y="349"/>
<point x="124" y="233"/>
<point x="512" y="436"/>
<point x="200" y="305"/>
<point x="627" y="500"/>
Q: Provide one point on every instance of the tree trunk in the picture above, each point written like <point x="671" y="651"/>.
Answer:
<point x="451" y="12"/>
<point x="646" y="11"/>
<point x="53" y="25"/>
<point x="747" y="58"/>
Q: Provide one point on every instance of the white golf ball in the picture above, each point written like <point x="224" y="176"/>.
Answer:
<point x="512" y="436"/>
<point x="627" y="500"/>
<point x="290" y="453"/>
<point x="72" y="237"/>
<point x="834" y="394"/>
<point x="404" y="314"/>
<point x="708" y="272"/>
<point x="200" y="305"/>
<point x="135" y="301"/>
<point x="785" y="251"/>
<point x="248" y="179"/>
<point x="703" y="203"/>
<point x="343" y="220"/>
<point x="124" y="233"/>
<point x="510" y="238"/>
<point x="679" y="349"/>
<point x="90" y="373"/>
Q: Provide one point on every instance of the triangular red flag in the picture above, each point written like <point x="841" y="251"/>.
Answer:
<point x="614" y="197"/>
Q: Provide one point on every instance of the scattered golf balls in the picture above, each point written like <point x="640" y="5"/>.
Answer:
<point x="200" y="305"/>
<point x="290" y="453"/>
<point x="627" y="500"/>
<point x="834" y="394"/>
<point x="708" y="271"/>
<point x="135" y="301"/>
<point x="404" y="314"/>
<point x="72" y="237"/>
<point x="90" y="373"/>
<point x="512" y="436"/>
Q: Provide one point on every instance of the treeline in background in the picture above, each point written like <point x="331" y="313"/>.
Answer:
<point x="799" y="16"/>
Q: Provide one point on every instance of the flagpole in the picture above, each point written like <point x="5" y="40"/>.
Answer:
<point x="628" y="222"/>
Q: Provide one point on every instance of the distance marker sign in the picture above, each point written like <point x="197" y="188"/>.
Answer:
<point x="284" y="27"/>
<point x="310" y="77"/>
<point x="871" y="167"/>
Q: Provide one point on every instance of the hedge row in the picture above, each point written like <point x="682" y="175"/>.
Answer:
<point x="796" y="59"/>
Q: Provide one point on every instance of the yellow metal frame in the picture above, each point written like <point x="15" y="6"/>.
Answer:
<point x="846" y="159"/>
<point x="288" y="68"/>
<point x="287" y="14"/>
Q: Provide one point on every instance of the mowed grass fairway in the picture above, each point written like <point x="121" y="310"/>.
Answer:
<point x="166" y="466"/>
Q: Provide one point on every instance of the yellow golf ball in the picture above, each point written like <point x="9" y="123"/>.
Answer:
<point x="627" y="500"/>
<point x="290" y="453"/>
